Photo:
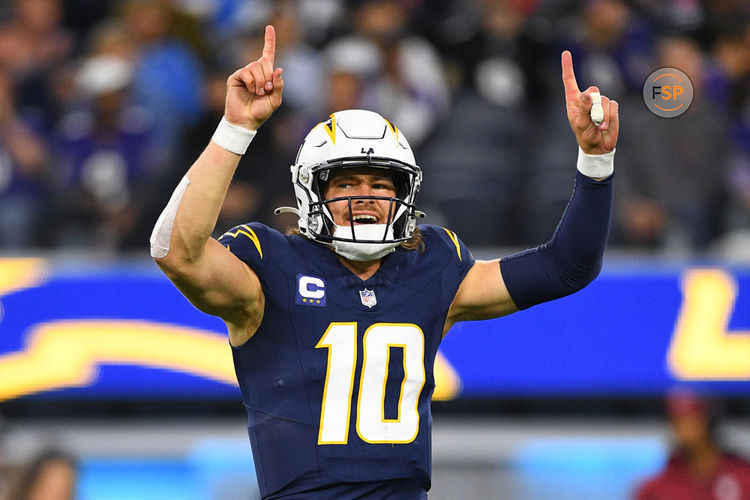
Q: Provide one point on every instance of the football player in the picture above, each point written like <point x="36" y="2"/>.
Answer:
<point x="334" y="329"/>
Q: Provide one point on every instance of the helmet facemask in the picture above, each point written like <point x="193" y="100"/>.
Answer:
<point x="356" y="139"/>
<point x="360" y="241"/>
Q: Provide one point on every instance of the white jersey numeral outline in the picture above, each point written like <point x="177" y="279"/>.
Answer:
<point x="372" y="426"/>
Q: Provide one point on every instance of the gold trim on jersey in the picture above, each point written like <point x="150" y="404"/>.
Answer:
<point x="247" y="231"/>
<point x="454" y="239"/>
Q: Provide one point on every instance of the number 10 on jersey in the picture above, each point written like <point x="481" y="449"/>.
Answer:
<point x="372" y="426"/>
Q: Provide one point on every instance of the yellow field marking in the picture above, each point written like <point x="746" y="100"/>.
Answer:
<point x="447" y="381"/>
<point x="17" y="274"/>
<point x="702" y="347"/>
<point x="64" y="354"/>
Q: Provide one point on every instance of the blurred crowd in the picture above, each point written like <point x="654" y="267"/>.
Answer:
<point x="700" y="462"/>
<point x="49" y="475"/>
<point x="104" y="105"/>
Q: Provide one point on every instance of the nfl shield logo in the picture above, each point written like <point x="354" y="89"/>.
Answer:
<point x="368" y="298"/>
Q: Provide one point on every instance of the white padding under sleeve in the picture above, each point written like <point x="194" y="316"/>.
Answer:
<point x="232" y="137"/>
<point x="596" y="166"/>
<point x="162" y="233"/>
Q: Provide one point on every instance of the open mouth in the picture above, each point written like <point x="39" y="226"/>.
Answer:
<point x="364" y="219"/>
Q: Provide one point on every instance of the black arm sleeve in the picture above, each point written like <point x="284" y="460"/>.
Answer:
<point x="573" y="257"/>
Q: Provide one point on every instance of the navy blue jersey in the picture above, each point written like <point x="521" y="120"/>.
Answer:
<point x="338" y="378"/>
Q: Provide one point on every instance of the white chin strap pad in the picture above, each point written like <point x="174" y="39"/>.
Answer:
<point x="162" y="233"/>
<point x="363" y="252"/>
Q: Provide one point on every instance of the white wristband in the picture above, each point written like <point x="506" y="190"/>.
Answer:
<point x="596" y="166"/>
<point x="232" y="137"/>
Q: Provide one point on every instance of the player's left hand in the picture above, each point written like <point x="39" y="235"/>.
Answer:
<point x="593" y="139"/>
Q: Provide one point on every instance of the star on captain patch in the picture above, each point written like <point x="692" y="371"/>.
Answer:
<point x="368" y="298"/>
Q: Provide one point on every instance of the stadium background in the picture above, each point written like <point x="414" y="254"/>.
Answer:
<point x="104" y="104"/>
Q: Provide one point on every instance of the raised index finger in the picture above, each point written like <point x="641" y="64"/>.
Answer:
<point x="569" y="78"/>
<point x="269" y="46"/>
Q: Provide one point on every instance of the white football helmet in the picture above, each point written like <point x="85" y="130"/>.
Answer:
<point x="351" y="139"/>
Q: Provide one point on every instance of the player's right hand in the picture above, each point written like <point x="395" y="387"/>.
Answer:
<point x="254" y="92"/>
